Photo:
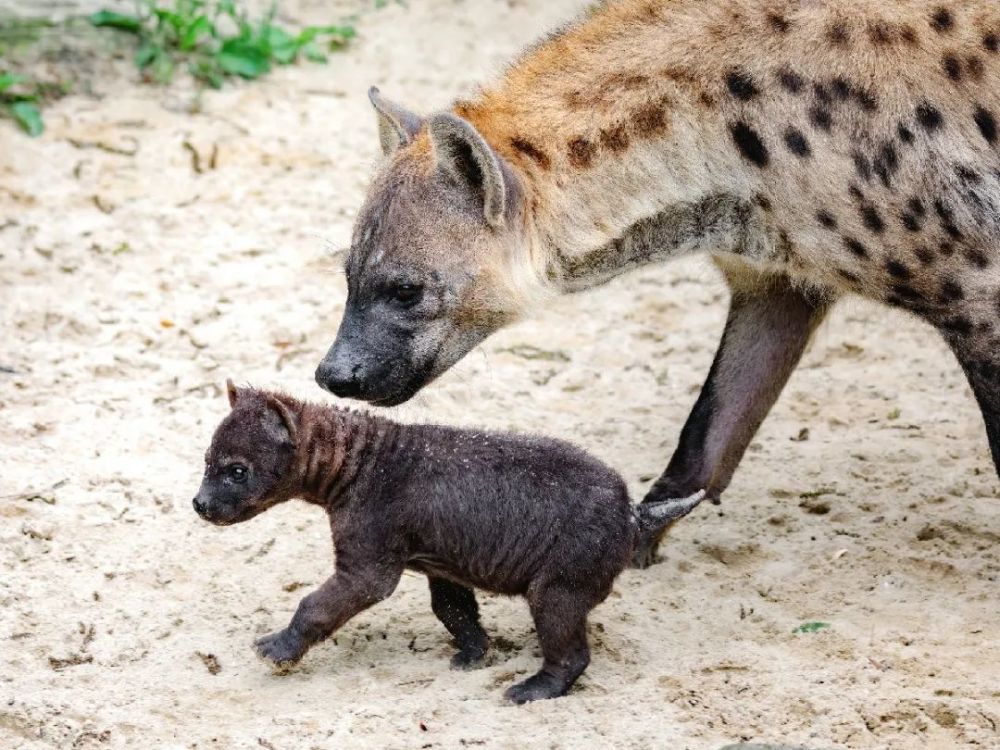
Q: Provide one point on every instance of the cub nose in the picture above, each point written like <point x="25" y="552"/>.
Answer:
<point x="199" y="506"/>
<point x="338" y="378"/>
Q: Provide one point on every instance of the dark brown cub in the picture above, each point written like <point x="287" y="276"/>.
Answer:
<point x="511" y="514"/>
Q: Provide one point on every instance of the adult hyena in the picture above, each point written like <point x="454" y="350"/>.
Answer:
<point x="815" y="149"/>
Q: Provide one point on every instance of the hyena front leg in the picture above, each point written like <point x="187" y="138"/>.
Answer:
<point x="982" y="368"/>
<point x="456" y="608"/>
<point x="770" y="323"/>
<point x="350" y="590"/>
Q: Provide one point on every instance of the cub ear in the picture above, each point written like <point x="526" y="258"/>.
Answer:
<point x="233" y="392"/>
<point x="397" y="126"/>
<point x="288" y="422"/>
<point x="464" y="155"/>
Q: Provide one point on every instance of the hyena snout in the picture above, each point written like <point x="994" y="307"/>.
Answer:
<point x="339" y="376"/>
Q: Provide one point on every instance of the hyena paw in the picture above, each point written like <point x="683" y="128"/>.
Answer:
<point x="470" y="657"/>
<point x="281" y="650"/>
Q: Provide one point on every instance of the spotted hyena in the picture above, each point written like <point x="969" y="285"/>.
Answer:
<point x="814" y="149"/>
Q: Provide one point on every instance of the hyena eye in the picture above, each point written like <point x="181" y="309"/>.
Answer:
<point x="406" y="295"/>
<point x="238" y="473"/>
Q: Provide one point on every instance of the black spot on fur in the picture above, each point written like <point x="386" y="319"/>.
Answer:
<point x="866" y="99"/>
<point x="952" y="67"/>
<point x="826" y="219"/>
<point x="838" y="34"/>
<point x="967" y="175"/>
<point x="847" y="275"/>
<point x="986" y="123"/>
<point x="929" y="116"/>
<point x="778" y="22"/>
<point x="881" y="33"/>
<point x="897" y="270"/>
<point x="741" y="85"/>
<point x="797" y="143"/>
<point x="614" y="138"/>
<point x="947" y="217"/>
<point x="886" y="163"/>
<point x="862" y="165"/>
<point x="947" y="248"/>
<point x="855" y="193"/>
<point x="790" y="81"/>
<point x="749" y="144"/>
<point x="871" y="219"/>
<point x="977" y="258"/>
<point x="941" y="20"/>
<point x="906" y="293"/>
<point x="532" y="151"/>
<point x="959" y="325"/>
<point x="905" y="134"/>
<point x="841" y="88"/>
<point x="991" y="42"/>
<point x="822" y="93"/>
<point x="649" y="120"/>
<point x="924" y="255"/>
<point x="764" y="202"/>
<point x="855" y="247"/>
<point x="820" y="118"/>
<point x="581" y="152"/>
<point x="914" y="214"/>
<point x="951" y="291"/>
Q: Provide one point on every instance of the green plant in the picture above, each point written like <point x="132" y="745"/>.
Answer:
<point x="217" y="39"/>
<point x="811" y="627"/>
<point x="19" y="101"/>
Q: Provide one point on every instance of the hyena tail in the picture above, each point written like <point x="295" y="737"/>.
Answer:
<point x="654" y="518"/>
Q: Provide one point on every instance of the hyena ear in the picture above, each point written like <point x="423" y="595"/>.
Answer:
<point x="287" y="421"/>
<point x="233" y="392"/>
<point x="397" y="126"/>
<point x="462" y="153"/>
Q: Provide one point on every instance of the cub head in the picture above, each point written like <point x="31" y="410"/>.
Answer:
<point x="439" y="258"/>
<point x="248" y="464"/>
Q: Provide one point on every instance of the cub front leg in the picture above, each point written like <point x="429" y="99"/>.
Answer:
<point x="326" y="609"/>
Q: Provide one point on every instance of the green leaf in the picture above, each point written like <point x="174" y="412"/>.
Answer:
<point x="9" y="79"/>
<point x="114" y="20"/>
<point x="314" y="54"/>
<point x="193" y="34"/>
<point x="28" y="117"/>
<point x="162" y="67"/>
<point x="146" y="54"/>
<point x="811" y="627"/>
<point x="242" y="58"/>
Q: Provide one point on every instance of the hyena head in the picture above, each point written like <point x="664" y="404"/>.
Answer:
<point x="431" y="269"/>
<point x="249" y="463"/>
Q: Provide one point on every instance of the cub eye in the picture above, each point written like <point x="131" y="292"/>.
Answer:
<point x="406" y="295"/>
<point x="238" y="473"/>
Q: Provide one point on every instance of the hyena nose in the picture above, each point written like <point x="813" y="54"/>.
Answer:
<point x="199" y="506"/>
<point x="338" y="378"/>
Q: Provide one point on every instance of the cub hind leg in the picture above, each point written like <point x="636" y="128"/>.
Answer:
<point x="456" y="608"/>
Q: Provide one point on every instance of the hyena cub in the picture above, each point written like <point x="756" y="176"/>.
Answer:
<point x="510" y="514"/>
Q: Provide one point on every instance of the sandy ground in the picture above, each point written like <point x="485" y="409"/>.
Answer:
<point x="132" y="284"/>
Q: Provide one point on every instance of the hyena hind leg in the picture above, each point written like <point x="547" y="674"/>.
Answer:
<point x="456" y="608"/>
<point x="560" y="615"/>
<point x="983" y="372"/>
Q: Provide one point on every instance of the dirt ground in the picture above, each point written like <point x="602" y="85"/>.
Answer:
<point x="147" y="252"/>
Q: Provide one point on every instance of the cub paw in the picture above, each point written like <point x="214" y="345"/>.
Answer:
<point x="469" y="658"/>
<point x="281" y="650"/>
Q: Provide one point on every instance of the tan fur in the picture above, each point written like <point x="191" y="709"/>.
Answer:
<point x="628" y="111"/>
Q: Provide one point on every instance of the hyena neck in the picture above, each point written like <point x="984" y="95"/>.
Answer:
<point x="614" y="126"/>
<point x="335" y="448"/>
